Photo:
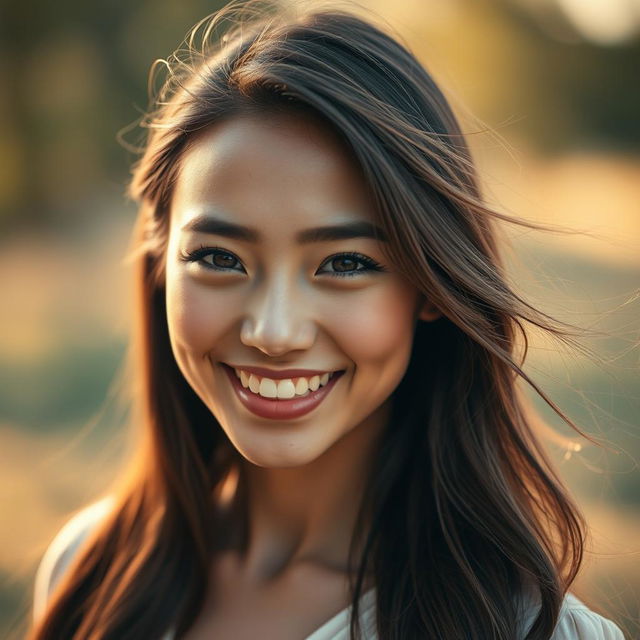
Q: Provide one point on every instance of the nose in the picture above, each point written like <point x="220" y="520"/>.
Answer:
<point x="277" y="320"/>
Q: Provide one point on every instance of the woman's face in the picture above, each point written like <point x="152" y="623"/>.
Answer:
<point x="248" y="284"/>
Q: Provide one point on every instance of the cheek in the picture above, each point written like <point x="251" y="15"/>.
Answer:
<point x="193" y="314"/>
<point x="377" y="329"/>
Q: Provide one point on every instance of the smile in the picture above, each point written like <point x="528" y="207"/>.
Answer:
<point x="282" y="399"/>
<point x="284" y="388"/>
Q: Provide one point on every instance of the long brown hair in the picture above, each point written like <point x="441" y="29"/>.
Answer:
<point x="464" y="509"/>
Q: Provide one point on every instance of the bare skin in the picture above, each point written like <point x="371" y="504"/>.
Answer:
<point x="276" y="305"/>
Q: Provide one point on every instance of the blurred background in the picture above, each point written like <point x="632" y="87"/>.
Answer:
<point x="548" y="93"/>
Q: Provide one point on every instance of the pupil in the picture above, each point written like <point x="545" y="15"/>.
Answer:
<point x="219" y="259"/>
<point x="350" y="263"/>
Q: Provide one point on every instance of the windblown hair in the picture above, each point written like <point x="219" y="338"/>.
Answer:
<point x="463" y="507"/>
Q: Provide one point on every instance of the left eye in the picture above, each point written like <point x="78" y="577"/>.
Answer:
<point x="345" y="264"/>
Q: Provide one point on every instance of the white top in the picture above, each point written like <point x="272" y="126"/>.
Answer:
<point x="576" y="621"/>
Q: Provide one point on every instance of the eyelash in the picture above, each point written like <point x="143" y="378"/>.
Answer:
<point x="197" y="254"/>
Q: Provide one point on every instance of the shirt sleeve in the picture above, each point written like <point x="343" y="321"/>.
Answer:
<point x="58" y="555"/>
<point x="578" y="622"/>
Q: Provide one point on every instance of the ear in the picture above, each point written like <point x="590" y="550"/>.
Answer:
<point x="428" y="311"/>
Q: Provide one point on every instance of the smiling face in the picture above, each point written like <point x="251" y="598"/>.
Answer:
<point x="275" y="297"/>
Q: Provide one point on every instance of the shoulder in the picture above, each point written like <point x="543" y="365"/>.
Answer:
<point x="577" y="622"/>
<point x="61" y="550"/>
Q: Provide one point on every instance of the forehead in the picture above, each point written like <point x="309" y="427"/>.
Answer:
<point x="263" y="169"/>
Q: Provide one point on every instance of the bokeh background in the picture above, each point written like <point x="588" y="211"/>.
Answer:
<point x="548" y="93"/>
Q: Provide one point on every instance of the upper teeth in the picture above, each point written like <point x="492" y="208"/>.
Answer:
<point x="283" y="388"/>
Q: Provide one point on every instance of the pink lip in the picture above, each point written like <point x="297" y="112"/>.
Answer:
<point x="279" y="408"/>
<point x="279" y="374"/>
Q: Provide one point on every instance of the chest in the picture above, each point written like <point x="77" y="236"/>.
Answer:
<point x="291" y="607"/>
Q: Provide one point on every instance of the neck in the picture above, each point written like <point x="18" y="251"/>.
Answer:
<point x="289" y="516"/>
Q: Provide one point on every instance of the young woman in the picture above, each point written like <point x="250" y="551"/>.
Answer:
<point x="325" y="364"/>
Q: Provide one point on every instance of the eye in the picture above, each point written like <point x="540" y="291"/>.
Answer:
<point x="345" y="265"/>
<point x="221" y="259"/>
<point x="342" y="264"/>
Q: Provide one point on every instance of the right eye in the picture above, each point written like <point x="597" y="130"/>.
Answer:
<point x="221" y="259"/>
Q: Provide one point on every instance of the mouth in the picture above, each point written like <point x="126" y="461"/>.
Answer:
<point x="280" y="408"/>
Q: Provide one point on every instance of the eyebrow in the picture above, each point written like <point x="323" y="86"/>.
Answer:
<point x="346" y="231"/>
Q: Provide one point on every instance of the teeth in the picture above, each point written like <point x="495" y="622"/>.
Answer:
<point x="268" y="388"/>
<point x="254" y="384"/>
<point x="285" y="388"/>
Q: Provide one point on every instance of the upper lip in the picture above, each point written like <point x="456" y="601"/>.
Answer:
<point x="282" y="373"/>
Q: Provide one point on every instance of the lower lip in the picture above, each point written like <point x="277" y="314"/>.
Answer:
<point x="280" y="408"/>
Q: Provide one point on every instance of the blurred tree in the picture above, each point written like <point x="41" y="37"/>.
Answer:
<point x="590" y="89"/>
<point x="73" y="74"/>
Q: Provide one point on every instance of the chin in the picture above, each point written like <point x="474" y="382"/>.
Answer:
<point x="281" y="456"/>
